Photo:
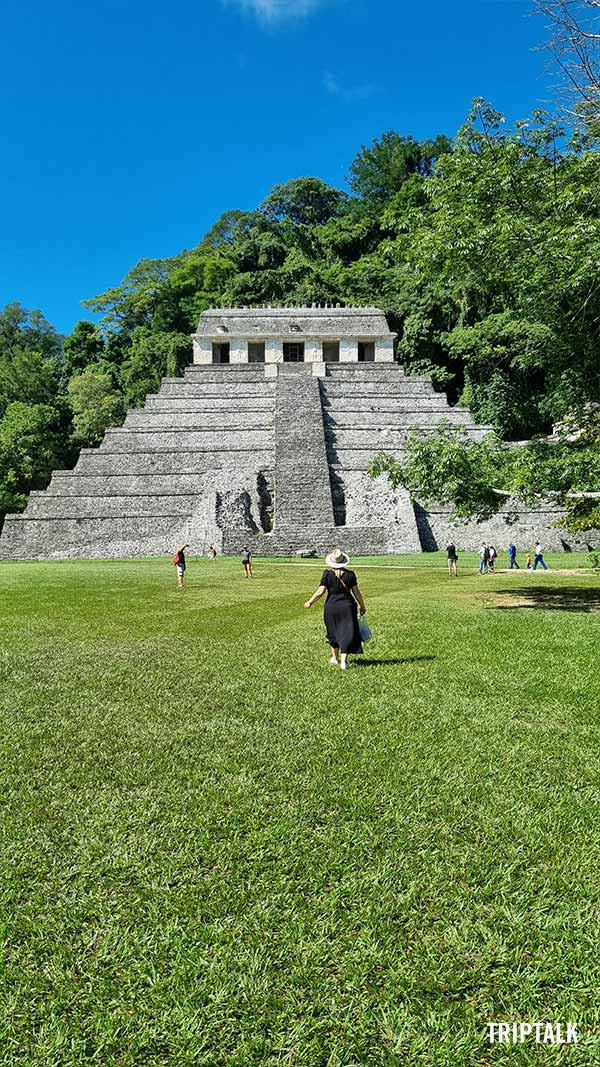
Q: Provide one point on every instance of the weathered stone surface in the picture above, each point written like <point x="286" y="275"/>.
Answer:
<point x="302" y="485"/>
<point x="178" y="421"/>
<point x="525" y="528"/>
<point x="125" y="442"/>
<point x="315" y="539"/>
<point x="166" y="462"/>
<point x="208" y="405"/>
<point x="109" y="538"/>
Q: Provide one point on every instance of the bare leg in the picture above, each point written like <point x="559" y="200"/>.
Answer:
<point x="343" y="659"/>
<point x="334" y="654"/>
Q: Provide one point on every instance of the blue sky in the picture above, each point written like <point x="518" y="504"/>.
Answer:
<point x="129" y="127"/>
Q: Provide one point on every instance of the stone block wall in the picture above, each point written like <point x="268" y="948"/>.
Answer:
<point x="437" y="527"/>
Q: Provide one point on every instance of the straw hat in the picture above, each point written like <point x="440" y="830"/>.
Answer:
<point x="337" y="559"/>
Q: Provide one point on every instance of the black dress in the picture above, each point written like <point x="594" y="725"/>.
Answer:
<point x="341" y="615"/>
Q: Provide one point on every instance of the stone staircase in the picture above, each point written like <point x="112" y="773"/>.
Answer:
<point x="304" y="512"/>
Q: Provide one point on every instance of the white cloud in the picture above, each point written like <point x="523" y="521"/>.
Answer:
<point x="350" y="93"/>
<point x="272" y="12"/>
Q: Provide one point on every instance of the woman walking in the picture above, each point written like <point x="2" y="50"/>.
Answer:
<point x="341" y="616"/>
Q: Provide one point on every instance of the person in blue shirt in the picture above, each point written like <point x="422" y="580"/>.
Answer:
<point x="512" y="555"/>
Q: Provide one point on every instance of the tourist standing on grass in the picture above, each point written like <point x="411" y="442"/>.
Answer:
<point x="528" y="561"/>
<point x="539" y="557"/>
<point x="512" y="555"/>
<point x="491" y="558"/>
<point x="341" y="615"/>
<point x="452" y="558"/>
<point x="179" y="561"/>
<point x="247" y="562"/>
<point x="484" y="555"/>
<point x="212" y="552"/>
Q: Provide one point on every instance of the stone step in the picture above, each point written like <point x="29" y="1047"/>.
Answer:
<point x="101" y="507"/>
<point x="175" y="484"/>
<point x="229" y="373"/>
<point x="121" y="440"/>
<point x="373" y="369"/>
<point x="387" y="439"/>
<point x="382" y="405"/>
<point x="380" y="421"/>
<point x="245" y="369"/>
<point x="209" y="405"/>
<point x="172" y="461"/>
<point x="342" y="460"/>
<point x="385" y="390"/>
<point x="226" y="389"/>
<point x="181" y="420"/>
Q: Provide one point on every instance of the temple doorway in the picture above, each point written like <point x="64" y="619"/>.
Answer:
<point x="220" y="352"/>
<point x="293" y="351"/>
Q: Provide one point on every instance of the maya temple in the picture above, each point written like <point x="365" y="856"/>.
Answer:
<point x="265" y="441"/>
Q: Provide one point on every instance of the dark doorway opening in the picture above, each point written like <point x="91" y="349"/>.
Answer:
<point x="256" y="351"/>
<point x="366" y="351"/>
<point x="220" y="352"/>
<point x="331" y="351"/>
<point x="293" y="351"/>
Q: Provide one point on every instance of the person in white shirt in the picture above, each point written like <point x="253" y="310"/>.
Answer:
<point x="539" y="557"/>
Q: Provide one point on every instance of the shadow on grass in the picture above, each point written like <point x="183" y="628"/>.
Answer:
<point x="386" y="662"/>
<point x="575" y="598"/>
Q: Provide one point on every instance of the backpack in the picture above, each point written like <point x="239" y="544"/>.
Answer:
<point x="176" y="559"/>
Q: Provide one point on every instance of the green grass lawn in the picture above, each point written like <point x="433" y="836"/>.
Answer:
<point x="219" y="850"/>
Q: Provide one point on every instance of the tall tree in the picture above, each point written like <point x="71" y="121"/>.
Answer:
<point x="307" y="201"/>
<point x="33" y="442"/>
<point x="28" y="376"/>
<point x="83" y="346"/>
<point x="23" y="330"/>
<point x="382" y="168"/>
<point x="96" y="405"/>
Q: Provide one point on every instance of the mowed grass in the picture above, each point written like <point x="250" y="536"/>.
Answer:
<point x="219" y="850"/>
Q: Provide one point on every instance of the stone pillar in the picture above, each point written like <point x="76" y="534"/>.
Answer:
<point x="202" y="350"/>
<point x="384" y="350"/>
<point x="238" y="351"/>
<point x="273" y="352"/>
<point x="312" y="351"/>
<point x="348" y="350"/>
